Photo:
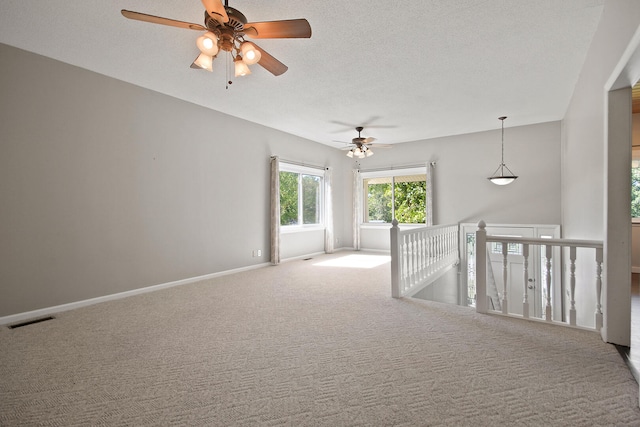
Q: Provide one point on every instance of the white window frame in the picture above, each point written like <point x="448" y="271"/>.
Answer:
<point x="388" y="173"/>
<point x="304" y="170"/>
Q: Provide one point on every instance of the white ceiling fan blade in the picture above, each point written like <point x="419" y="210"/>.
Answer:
<point x="368" y="140"/>
<point x="216" y="10"/>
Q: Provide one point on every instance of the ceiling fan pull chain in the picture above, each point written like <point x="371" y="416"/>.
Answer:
<point x="226" y="68"/>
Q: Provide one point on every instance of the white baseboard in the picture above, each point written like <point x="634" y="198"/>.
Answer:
<point x="19" y="317"/>
<point x="380" y="251"/>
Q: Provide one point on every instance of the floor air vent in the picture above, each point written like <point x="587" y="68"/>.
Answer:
<point x="306" y="259"/>
<point x="30" y="322"/>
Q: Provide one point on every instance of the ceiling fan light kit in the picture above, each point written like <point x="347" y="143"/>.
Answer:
<point x="241" y="68"/>
<point x="501" y="178"/>
<point x="250" y="55"/>
<point x="203" y="61"/>
<point x="362" y="146"/>
<point x="225" y="29"/>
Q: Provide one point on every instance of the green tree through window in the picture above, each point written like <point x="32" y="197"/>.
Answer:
<point x="300" y="197"/>
<point x="635" y="192"/>
<point x="288" y="198"/>
<point x="402" y="197"/>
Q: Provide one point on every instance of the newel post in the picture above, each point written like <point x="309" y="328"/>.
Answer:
<point x="481" y="268"/>
<point x="395" y="260"/>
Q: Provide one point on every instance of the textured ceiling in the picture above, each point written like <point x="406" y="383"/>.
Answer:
<point x="406" y="70"/>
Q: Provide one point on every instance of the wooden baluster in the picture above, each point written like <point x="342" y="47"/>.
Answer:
<point x="418" y="259"/>
<point x="405" y="263"/>
<point x="396" y="259"/>
<point x="598" y="289"/>
<point x="409" y="261"/>
<point x="421" y="271"/>
<point x="454" y="244"/>
<point x="430" y="250"/>
<point x="449" y="244"/>
<point x="414" y="258"/>
<point x="434" y="254"/>
<point x="572" y="285"/>
<point x="505" y="276"/>
<point x="548" y="312"/>
<point x="481" y="268"/>
<point x="425" y="247"/>
<point x="525" y="280"/>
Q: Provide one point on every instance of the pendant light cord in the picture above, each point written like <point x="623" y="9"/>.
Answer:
<point x="502" y="120"/>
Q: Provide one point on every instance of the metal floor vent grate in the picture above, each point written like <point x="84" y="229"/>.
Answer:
<point x="30" y="322"/>
<point x="306" y="259"/>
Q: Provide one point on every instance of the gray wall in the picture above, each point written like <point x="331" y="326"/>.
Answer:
<point x="462" y="192"/>
<point x="107" y="187"/>
<point x="584" y="169"/>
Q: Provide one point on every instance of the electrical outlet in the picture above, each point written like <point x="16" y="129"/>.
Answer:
<point x="259" y="252"/>
<point x="253" y="253"/>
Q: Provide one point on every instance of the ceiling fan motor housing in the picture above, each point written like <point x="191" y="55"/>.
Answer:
<point x="227" y="31"/>
<point x="237" y="20"/>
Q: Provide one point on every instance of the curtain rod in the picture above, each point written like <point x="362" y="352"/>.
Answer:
<point x="398" y="167"/>
<point x="306" y="165"/>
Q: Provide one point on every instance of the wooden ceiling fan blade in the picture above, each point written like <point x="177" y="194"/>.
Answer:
<point x="291" y="28"/>
<point x="160" y="20"/>
<point x="270" y="63"/>
<point x="216" y="10"/>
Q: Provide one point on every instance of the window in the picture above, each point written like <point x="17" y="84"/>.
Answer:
<point x="512" y="248"/>
<point x="301" y="195"/>
<point x="635" y="185"/>
<point x="400" y="194"/>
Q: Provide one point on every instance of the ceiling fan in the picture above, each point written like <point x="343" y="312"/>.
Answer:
<point x="225" y="30"/>
<point x="361" y="147"/>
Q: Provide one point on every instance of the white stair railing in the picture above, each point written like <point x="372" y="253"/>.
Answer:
<point x="481" y="272"/>
<point x="419" y="256"/>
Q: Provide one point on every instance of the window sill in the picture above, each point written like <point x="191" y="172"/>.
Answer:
<point x="387" y="225"/>
<point x="300" y="229"/>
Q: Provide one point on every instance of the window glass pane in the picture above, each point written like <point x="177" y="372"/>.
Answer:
<point x="471" y="269"/>
<point x="410" y="194"/>
<point x="311" y="199"/>
<point x="378" y="199"/>
<point x="512" y="248"/>
<point x="635" y="189"/>
<point x="288" y="198"/>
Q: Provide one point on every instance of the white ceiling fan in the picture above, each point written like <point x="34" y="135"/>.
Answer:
<point x="225" y="30"/>
<point x="361" y="147"/>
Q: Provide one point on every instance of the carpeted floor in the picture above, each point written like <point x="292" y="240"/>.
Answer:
<point x="306" y="344"/>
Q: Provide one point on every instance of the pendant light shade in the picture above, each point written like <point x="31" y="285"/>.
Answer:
<point x="502" y="175"/>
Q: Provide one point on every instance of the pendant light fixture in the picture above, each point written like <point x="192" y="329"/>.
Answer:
<point x="499" y="177"/>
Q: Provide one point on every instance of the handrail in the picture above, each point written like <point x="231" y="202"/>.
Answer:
<point x="431" y="228"/>
<point x="553" y="242"/>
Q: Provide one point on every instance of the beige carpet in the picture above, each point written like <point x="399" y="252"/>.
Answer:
<point x="301" y="344"/>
